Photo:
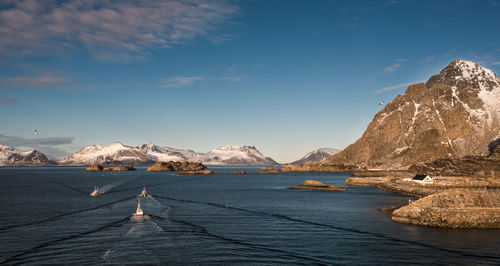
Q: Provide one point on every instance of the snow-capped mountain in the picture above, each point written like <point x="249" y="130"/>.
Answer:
<point x="148" y="153"/>
<point x="454" y="114"/>
<point x="165" y="154"/>
<point x="10" y="156"/>
<point x="317" y="155"/>
<point x="101" y="154"/>
<point x="233" y="155"/>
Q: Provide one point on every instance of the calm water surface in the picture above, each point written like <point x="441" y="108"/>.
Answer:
<point x="48" y="217"/>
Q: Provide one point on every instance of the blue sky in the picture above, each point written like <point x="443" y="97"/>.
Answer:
<point x="285" y="76"/>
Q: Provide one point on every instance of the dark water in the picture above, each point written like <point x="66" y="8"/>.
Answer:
<point x="48" y="217"/>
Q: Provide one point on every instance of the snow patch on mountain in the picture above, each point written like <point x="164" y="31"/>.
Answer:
<point x="318" y="155"/>
<point x="233" y="155"/>
<point x="148" y="153"/>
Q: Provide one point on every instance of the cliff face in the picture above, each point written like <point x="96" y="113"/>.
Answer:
<point x="454" y="114"/>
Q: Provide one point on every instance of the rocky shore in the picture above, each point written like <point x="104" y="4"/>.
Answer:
<point x="319" y="167"/>
<point x="316" y="185"/>
<point x="455" y="208"/>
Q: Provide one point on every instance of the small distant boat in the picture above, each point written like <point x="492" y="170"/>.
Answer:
<point x="139" y="212"/>
<point x="95" y="193"/>
<point x="143" y="193"/>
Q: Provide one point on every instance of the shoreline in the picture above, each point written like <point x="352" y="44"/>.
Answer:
<point x="481" y="197"/>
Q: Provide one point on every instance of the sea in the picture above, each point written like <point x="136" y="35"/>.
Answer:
<point x="48" y="217"/>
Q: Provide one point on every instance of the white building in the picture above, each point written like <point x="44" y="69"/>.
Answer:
<point x="423" y="179"/>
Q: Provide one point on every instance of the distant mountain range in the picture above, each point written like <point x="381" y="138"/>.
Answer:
<point x="317" y="155"/>
<point x="148" y="153"/>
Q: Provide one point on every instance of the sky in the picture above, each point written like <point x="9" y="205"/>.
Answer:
<point x="285" y="76"/>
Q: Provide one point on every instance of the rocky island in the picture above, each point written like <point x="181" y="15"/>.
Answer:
<point x="316" y="185"/>
<point x="176" y="166"/>
<point x="99" y="167"/>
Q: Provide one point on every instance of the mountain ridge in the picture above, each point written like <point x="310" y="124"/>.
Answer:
<point x="148" y="153"/>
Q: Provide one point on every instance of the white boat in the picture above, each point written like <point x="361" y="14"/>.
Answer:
<point x="139" y="212"/>
<point x="95" y="193"/>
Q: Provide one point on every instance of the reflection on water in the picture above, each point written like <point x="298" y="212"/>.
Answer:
<point x="49" y="218"/>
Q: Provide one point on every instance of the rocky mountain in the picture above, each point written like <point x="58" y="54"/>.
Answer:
<point x="317" y="155"/>
<point x="165" y="154"/>
<point x="454" y="114"/>
<point x="115" y="153"/>
<point x="148" y="153"/>
<point x="233" y="155"/>
<point x="13" y="157"/>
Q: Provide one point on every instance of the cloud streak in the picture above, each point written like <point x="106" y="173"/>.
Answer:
<point x="111" y="30"/>
<point x="42" y="81"/>
<point x="179" y="81"/>
<point x="397" y="86"/>
<point x="392" y="68"/>
<point x="25" y="142"/>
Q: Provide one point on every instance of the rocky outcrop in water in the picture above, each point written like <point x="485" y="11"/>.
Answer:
<point x="197" y="172"/>
<point x="176" y="166"/>
<point x="94" y="168"/>
<point x="123" y="168"/>
<point x="454" y="114"/>
<point x="316" y="185"/>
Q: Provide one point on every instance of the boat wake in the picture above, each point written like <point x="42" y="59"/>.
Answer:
<point x="327" y="226"/>
<point x="156" y="185"/>
<point x="116" y="223"/>
<point x="108" y="187"/>
<point x="136" y="244"/>
<point x="54" y="218"/>
<point x="278" y="252"/>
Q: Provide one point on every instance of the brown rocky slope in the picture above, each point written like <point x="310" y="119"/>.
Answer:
<point x="454" y="114"/>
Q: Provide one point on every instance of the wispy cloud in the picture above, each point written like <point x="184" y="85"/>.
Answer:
<point x="495" y="63"/>
<point x="120" y="30"/>
<point x="428" y="59"/>
<point x="232" y="79"/>
<point x="180" y="81"/>
<point x="397" y="86"/>
<point x="41" y="81"/>
<point x="46" y="145"/>
<point x="392" y="68"/>
<point x="8" y="100"/>
<point x="401" y="60"/>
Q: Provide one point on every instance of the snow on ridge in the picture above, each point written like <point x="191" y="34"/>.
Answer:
<point x="148" y="151"/>
<point x="472" y="72"/>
